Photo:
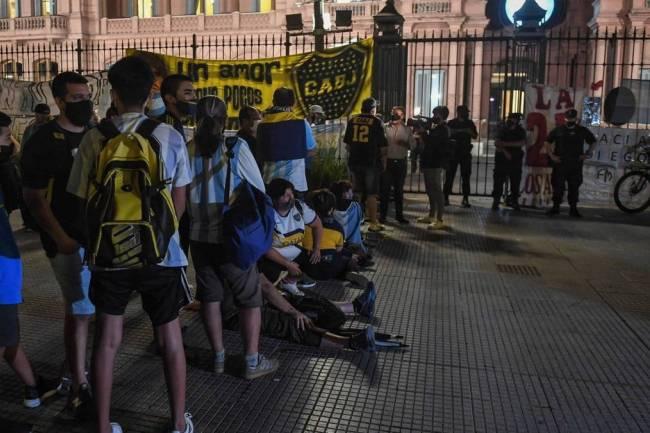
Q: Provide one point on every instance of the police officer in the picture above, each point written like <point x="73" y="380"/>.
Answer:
<point x="566" y="148"/>
<point x="367" y="147"/>
<point x="463" y="130"/>
<point x="508" y="158"/>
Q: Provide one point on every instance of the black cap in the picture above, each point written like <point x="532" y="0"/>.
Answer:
<point x="4" y="120"/>
<point x="42" y="109"/>
<point x="368" y="104"/>
<point x="571" y="114"/>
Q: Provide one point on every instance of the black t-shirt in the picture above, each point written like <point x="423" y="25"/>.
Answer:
<point x="254" y="147"/>
<point x="462" y="131"/>
<point x="513" y="134"/>
<point x="570" y="142"/>
<point x="46" y="162"/>
<point x="365" y="137"/>
<point x="436" y="151"/>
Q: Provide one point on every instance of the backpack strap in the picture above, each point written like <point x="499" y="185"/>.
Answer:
<point x="230" y="145"/>
<point x="146" y="129"/>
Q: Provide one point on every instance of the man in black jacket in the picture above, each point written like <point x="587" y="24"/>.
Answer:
<point x="433" y="162"/>
<point x="463" y="131"/>
<point x="508" y="159"/>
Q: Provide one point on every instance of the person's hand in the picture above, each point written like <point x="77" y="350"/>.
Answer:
<point x="66" y="245"/>
<point x="587" y="155"/>
<point x="302" y="322"/>
<point x="315" y="257"/>
<point x="554" y="158"/>
<point x="294" y="269"/>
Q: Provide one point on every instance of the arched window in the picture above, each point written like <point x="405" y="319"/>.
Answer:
<point x="9" y="8"/>
<point x="45" y="70"/>
<point x="11" y="70"/>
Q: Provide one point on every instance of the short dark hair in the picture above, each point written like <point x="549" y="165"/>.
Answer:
<point x="61" y="81"/>
<point x="277" y="188"/>
<point x="322" y="201"/>
<point x="442" y="111"/>
<point x="5" y="120"/>
<point x="246" y="112"/>
<point x="338" y="189"/>
<point x="284" y="97"/>
<point x="42" y="109"/>
<point x="368" y="104"/>
<point x="131" y="78"/>
<point x="171" y="83"/>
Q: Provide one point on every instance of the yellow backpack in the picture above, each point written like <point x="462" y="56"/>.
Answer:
<point x="130" y="214"/>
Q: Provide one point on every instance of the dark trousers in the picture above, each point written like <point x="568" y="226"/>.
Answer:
<point x="393" y="179"/>
<point x="184" y="233"/>
<point x="571" y="175"/>
<point x="504" y="170"/>
<point x="465" y="163"/>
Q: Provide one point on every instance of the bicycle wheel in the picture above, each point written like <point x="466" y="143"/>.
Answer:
<point x="632" y="192"/>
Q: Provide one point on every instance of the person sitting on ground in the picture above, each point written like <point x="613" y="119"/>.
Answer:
<point x="334" y="262"/>
<point x="309" y="320"/>
<point x="288" y="253"/>
<point x="349" y="214"/>
<point x="10" y="296"/>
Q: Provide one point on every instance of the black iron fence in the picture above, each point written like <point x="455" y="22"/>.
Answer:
<point x="488" y="72"/>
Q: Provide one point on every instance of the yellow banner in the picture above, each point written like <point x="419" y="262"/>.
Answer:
<point x="337" y="79"/>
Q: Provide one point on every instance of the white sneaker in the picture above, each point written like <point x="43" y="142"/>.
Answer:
<point x="189" y="425"/>
<point x="291" y="287"/>
<point x="116" y="428"/>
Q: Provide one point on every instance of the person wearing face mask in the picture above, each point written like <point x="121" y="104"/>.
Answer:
<point x="400" y="141"/>
<point x="463" y="131"/>
<point x="214" y="272"/>
<point x="433" y="161"/>
<point x="249" y="118"/>
<point x="508" y="158"/>
<point x="46" y="163"/>
<point x="566" y="148"/>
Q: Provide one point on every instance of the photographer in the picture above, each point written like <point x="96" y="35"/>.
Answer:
<point x="434" y="157"/>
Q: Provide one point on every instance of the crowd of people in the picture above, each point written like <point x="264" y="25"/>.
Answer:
<point x="121" y="204"/>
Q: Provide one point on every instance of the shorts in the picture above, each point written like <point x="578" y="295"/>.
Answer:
<point x="365" y="179"/>
<point x="9" y="330"/>
<point x="276" y="324"/>
<point x="164" y="291"/>
<point x="74" y="279"/>
<point x="214" y="273"/>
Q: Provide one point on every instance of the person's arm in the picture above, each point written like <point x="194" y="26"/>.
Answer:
<point x="248" y="169"/>
<point x="274" y="255"/>
<point x="179" y="198"/>
<point x="181" y="173"/>
<point x="590" y="139"/>
<point x="275" y="298"/>
<point x="549" y="146"/>
<point x="473" y="131"/>
<point x="310" y="140"/>
<point x="39" y="207"/>
<point x="317" y="234"/>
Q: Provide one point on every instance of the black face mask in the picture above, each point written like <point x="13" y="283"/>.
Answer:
<point x="79" y="113"/>
<point x="395" y="117"/>
<point x="571" y="123"/>
<point x="437" y="120"/>
<point x="186" y="108"/>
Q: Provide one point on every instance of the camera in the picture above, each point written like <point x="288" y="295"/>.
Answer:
<point x="420" y="122"/>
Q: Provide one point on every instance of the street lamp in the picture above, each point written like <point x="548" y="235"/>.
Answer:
<point x="529" y="18"/>
<point x="389" y="23"/>
<point x="319" y="32"/>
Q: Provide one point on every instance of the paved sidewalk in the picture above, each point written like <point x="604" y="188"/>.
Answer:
<point x="517" y="322"/>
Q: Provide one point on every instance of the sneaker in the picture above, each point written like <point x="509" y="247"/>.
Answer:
<point x="364" y="340"/>
<point x="358" y="279"/>
<point x="425" y="220"/>
<point x="305" y="282"/>
<point x="116" y="428"/>
<point x="403" y="221"/>
<point x="219" y="365"/>
<point x="291" y="287"/>
<point x="436" y="225"/>
<point x="32" y="397"/>
<point x="189" y="425"/>
<point x="364" y="304"/>
<point x="264" y="366"/>
<point x="553" y="211"/>
<point x="65" y="386"/>
<point x="82" y="404"/>
<point x="376" y="228"/>
<point x="465" y="203"/>
<point x="574" y="213"/>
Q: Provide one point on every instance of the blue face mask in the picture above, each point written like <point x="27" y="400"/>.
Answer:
<point x="156" y="106"/>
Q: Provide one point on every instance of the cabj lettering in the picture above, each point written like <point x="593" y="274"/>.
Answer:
<point x="329" y="84"/>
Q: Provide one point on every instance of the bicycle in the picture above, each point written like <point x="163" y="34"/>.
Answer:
<point x="632" y="191"/>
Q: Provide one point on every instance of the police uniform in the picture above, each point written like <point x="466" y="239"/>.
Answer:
<point x="508" y="169"/>
<point x="569" y="148"/>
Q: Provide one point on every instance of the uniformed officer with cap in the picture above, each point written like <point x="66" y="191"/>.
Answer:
<point x="508" y="158"/>
<point x="366" y="146"/>
<point x="566" y="148"/>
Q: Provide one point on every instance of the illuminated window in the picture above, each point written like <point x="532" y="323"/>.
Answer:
<point x="44" y="7"/>
<point x="429" y="91"/>
<point x="9" y="8"/>
<point x="11" y="70"/>
<point x="207" y="7"/>
<point x="142" y="8"/>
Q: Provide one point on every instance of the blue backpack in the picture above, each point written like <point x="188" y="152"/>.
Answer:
<point x="248" y="222"/>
